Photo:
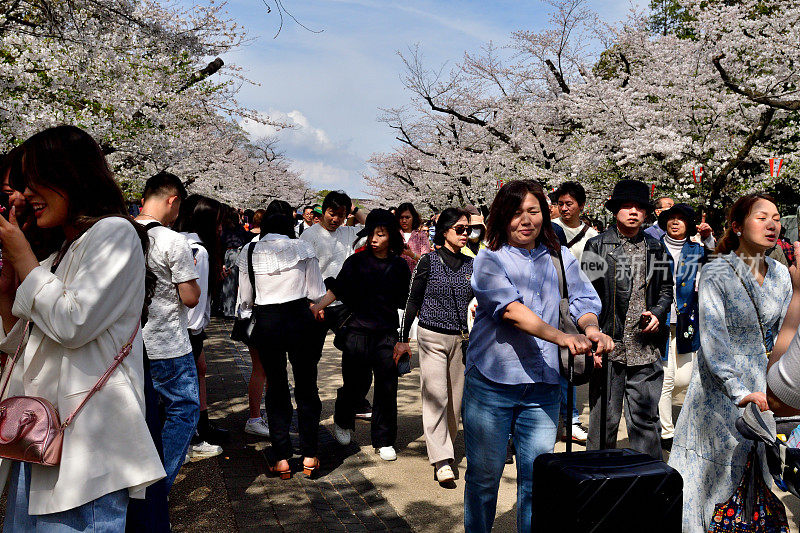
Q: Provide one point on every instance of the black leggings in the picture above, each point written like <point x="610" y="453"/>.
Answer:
<point x="283" y="329"/>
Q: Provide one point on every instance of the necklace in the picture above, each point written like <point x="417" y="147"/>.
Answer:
<point x="146" y="215"/>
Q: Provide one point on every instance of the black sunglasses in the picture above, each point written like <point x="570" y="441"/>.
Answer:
<point x="461" y="229"/>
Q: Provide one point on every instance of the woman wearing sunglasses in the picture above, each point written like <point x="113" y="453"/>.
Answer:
<point x="440" y="294"/>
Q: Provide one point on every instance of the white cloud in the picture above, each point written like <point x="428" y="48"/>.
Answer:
<point x="326" y="163"/>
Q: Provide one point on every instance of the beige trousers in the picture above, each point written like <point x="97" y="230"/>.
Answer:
<point x="441" y="375"/>
<point x="677" y="374"/>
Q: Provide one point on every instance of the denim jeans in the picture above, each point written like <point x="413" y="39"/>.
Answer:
<point x="576" y="418"/>
<point x="105" y="514"/>
<point x="175" y="381"/>
<point x="490" y="411"/>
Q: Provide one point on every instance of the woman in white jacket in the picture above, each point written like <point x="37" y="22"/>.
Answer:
<point x="83" y="304"/>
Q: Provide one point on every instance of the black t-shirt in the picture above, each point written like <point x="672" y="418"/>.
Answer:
<point x="373" y="289"/>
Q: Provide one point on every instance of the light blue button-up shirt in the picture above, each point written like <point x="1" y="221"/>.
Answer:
<point x="502" y="352"/>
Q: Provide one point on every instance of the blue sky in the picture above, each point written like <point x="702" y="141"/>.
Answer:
<point x="332" y="84"/>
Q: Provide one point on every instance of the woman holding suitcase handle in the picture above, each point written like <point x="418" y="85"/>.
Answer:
<point x="512" y="369"/>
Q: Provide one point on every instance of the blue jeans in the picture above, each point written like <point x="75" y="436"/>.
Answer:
<point x="576" y="417"/>
<point x="105" y="514"/>
<point x="175" y="381"/>
<point x="490" y="411"/>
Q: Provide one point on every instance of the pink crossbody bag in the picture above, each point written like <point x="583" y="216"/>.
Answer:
<point x="30" y="427"/>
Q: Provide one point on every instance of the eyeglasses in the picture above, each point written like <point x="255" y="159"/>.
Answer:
<point x="461" y="229"/>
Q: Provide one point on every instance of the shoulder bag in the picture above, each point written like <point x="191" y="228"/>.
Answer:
<point x="30" y="427"/>
<point x="583" y="364"/>
<point x="243" y="327"/>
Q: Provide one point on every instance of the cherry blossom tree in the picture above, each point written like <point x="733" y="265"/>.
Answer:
<point x="696" y="107"/>
<point x="147" y="79"/>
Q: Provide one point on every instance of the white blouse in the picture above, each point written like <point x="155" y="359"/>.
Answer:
<point x="285" y="270"/>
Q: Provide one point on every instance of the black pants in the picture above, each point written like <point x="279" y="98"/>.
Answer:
<point x="366" y="354"/>
<point x="334" y="317"/>
<point x="280" y="330"/>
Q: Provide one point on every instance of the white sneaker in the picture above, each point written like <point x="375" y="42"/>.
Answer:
<point x="343" y="436"/>
<point x="204" y="449"/>
<point x="257" y="426"/>
<point x="445" y="474"/>
<point x="387" y="453"/>
<point x="578" y="434"/>
<point x="187" y="459"/>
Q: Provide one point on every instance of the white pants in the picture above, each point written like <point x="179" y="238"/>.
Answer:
<point x="677" y="373"/>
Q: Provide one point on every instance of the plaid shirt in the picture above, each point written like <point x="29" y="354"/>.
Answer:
<point x="788" y="250"/>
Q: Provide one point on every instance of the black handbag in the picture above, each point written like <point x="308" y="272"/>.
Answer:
<point x="583" y="364"/>
<point x="243" y="327"/>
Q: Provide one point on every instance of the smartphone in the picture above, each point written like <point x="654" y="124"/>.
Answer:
<point x="644" y="320"/>
<point x="404" y="364"/>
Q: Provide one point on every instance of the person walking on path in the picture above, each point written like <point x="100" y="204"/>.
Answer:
<point x="416" y="242"/>
<point x="571" y="199"/>
<point x="333" y="244"/>
<point x="512" y="369"/>
<point x="440" y="294"/>
<point x="166" y="335"/>
<point x="373" y="284"/>
<point x="199" y="220"/>
<point x="68" y="318"/>
<point x="659" y="206"/>
<point x="635" y="286"/>
<point x="287" y="276"/>
<point x="686" y="259"/>
<point x="743" y="299"/>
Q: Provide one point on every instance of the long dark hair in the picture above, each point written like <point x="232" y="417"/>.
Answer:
<point x="738" y="213"/>
<point x="509" y="198"/>
<point x="416" y="221"/>
<point x="203" y="216"/>
<point x="69" y="161"/>
<point x="279" y="208"/>
<point x="447" y="219"/>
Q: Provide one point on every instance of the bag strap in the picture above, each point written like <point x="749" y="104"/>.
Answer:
<point x="579" y="236"/>
<point x="753" y="300"/>
<point x="250" y="272"/>
<point x="123" y="353"/>
<point x="558" y="262"/>
<point x="14" y="359"/>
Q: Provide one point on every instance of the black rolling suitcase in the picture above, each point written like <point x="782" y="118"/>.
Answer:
<point x="605" y="491"/>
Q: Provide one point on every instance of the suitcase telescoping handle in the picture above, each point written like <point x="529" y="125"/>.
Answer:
<point x="571" y="393"/>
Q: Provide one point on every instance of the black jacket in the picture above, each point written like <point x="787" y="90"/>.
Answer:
<point x="615" y="290"/>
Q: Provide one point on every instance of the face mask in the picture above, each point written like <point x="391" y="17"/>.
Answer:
<point x="475" y="234"/>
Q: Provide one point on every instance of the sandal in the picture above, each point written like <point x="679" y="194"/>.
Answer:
<point x="284" y="474"/>
<point x="313" y="470"/>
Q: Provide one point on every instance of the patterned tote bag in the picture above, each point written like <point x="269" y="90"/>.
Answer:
<point x="753" y="508"/>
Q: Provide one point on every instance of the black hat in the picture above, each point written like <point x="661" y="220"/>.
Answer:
<point x="630" y="191"/>
<point x="679" y="209"/>
<point x="376" y="218"/>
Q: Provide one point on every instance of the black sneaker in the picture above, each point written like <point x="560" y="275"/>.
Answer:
<point x="510" y="453"/>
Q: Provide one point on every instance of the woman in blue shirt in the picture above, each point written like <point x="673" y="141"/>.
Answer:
<point x="512" y="371"/>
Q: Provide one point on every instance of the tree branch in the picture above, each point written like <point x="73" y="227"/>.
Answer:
<point x="209" y="70"/>
<point x="731" y="164"/>
<point x="558" y="75"/>
<point x="759" y="98"/>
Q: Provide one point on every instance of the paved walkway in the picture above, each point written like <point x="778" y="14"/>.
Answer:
<point x="236" y="494"/>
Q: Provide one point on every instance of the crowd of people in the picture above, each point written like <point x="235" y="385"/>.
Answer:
<point x="105" y="315"/>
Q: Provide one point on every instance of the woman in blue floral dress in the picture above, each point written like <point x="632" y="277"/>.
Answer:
<point x="731" y="367"/>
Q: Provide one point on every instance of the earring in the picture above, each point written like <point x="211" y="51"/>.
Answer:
<point x="738" y="233"/>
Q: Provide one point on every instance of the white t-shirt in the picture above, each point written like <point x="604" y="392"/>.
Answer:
<point x="571" y="233"/>
<point x="166" y="334"/>
<point x="331" y="248"/>
<point x="199" y="315"/>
